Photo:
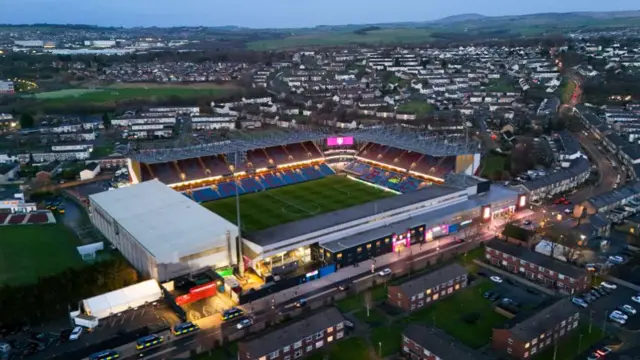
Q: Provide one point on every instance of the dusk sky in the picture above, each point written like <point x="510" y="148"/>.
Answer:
<point x="276" y="13"/>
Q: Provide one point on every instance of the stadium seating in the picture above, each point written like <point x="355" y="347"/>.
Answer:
<point x="326" y="170"/>
<point x="205" y="194"/>
<point x="166" y="172"/>
<point x="215" y="165"/>
<point x="390" y="179"/>
<point x="38" y="218"/>
<point x="258" y="159"/>
<point x="227" y="189"/>
<point x="311" y="173"/>
<point x="279" y="155"/>
<point x="251" y="185"/>
<point x="192" y="169"/>
<point x="272" y="181"/>
<point x="16" y="219"/>
<point x="4" y="217"/>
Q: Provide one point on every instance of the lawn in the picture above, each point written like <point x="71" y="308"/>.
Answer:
<point x="387" y="339"/>
<point x="466" y="316"/>
<point x="348" y="349"/>
<point x="273" y="207"/>
<point x="227" y="352"/>
<point x="420" y="108"/>
<point x="376" y="317"/>
<point x="570" y="347"/>
<point x="493" y="163"/>
<point x="355" y="302"/>
<point x="381" y="36"/>
<point x="30" y="251"/>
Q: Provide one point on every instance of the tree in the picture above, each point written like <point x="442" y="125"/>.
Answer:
<point x="26" y="121"/>
<point x="106" y="121"/>
<point x="368" y="301"/>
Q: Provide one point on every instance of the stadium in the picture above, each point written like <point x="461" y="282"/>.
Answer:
<point x="308" y="201"/>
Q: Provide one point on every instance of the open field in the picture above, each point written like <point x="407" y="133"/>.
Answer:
<point x="294" y="202"/>
<point x="30" y="251"/>
<point x="382" y="36"/>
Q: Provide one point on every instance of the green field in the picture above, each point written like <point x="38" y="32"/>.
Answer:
<point x="30" y="251"/>
<point x="110" y="95"/>
<point x="420" y="108"/>
<point x="266" y="209"/>
<point x="382" y="36"/>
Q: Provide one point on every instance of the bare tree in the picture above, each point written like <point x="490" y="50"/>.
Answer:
<point x="368" y="301"/>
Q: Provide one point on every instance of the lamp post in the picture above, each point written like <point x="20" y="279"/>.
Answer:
<point x="380" y="349"/>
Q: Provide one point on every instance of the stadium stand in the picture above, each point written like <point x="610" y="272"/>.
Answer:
<point x="192" y="169"/>
<point x="16" y="219"/>
<point x="386" y="178"/>
<point x="37" y="218"/>
<point x="215" y="165"/>
<point x="3" y="218"/>
<point x="258" y="159"/>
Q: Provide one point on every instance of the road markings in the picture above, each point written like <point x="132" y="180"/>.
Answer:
<point x="161" y="352"/>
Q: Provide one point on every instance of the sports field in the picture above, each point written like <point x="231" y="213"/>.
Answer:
<point x="273" y="207"/>
<point x="30" y="251"/>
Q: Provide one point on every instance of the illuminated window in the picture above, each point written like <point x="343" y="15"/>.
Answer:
<point x="377" y="243"/>
<point x="457" y="286"/>
<point x="429" y="292"/>
<point x="386" y="241"/>
<point x="359" y="249"/>
<point x="435" y="297"/>
<point x="526" y="346"/>
<point x="339" y="256"/>
<point x="368" y="246"/>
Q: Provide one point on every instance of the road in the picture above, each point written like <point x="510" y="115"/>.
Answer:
<point x="607" y="174"/>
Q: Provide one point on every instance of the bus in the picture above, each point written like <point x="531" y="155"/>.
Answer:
<point x="148" y="341"/>
<point x="231" y="313"/>
<point x="185" y="328"/>
<point x="105" y="355"/>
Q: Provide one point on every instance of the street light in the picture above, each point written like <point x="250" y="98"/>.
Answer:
<point x="380" y="349"/>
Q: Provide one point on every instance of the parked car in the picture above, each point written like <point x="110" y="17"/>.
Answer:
<point x="579" y="302"/>
<point x="300" y="303"/>
<point x="76" y="333"/>
<point x="344" y="287"/>
<point x="246" y="322"/>
<point x="636" y="298"/>
<point x="527" y="222"/>
<point x="619" y="314"/>
<point x="618" y="320"/>
<point x="608" y="285"/>
<point x="628" y="309"/>
<point x="615" y="259"/>
<point x="496" y="279"/>
<point x="385" y="272"/>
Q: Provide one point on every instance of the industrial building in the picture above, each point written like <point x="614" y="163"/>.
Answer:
<point x="161" y="232"/>
<point x="7" y="87"/>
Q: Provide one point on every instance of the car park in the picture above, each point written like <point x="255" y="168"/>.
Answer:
<point x="599" y="291"/>
<point x="595" y="294"/>
<point x="496" y="279"/>
<point x="619" y="314"/>
<point x="618" y="320"/>
<point x="636" y="299"/>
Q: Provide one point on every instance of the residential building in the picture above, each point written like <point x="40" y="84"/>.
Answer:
<point x="419" y="292"/>
<point x="295" y="340"/>
<point x="422" y="343"/>
<point x="531" y="336"/>
<point x="537" y="267"/>
<point x="90" y="171"/>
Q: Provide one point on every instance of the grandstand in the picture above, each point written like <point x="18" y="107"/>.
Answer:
<point x="392" y="158"/>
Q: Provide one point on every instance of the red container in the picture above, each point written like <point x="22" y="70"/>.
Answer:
<point x="197" y="293"/>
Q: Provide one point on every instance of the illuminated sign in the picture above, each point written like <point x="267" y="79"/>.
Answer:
<point x="523" y="201"/>
<point x="313" y="273"/>
<point x="340" y="141"/>
<point x="466" y="222"/>
<point x="486" y="213"/>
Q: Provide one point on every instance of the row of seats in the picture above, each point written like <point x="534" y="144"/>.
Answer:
<point x="425" y="164"/>
<point x="209" y="166"/>
<point x="386" y="178"/>
<point x="30" y="218"/>
<point x="260" y="182"/>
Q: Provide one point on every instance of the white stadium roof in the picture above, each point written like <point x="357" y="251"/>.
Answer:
<point x="117" y="301"/>
<point x="166" y="223"/>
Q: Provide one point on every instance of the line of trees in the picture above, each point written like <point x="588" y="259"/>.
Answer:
<point x="52" y="296"/>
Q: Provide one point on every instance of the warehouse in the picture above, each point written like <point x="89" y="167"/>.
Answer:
<point x="161" y="232"/>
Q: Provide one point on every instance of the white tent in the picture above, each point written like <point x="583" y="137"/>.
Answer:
<point x="117" y="301"/>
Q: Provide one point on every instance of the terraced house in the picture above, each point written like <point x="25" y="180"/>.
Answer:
<point x="537" y="267"/>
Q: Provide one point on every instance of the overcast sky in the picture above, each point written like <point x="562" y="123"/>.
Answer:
<point x="276" y="13"/>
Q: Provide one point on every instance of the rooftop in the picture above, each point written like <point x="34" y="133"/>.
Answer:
<point x="533" y="257"/>
<point x="440" y="344"/>
<point x="289" y="334"/>
<point x="496" y="194"/>
<point x="577" y="167"/>
<point x="432" y="279"/>
<point x="305" y="226"/>
<point x="166" y="223"/>
<point x="544" y="320"/>
<point x="614" y="196"/>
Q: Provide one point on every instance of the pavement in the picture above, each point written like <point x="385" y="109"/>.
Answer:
<point x="608" y="175"/>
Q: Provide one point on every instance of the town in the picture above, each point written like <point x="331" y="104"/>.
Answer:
<point x="467" y="200"/>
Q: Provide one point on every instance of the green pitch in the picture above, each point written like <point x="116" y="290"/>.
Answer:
<point x="273" y="207"/>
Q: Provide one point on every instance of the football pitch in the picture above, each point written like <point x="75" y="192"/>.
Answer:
<point x="273" y="207"/>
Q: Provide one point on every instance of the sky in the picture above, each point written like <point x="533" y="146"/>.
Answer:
<point x="277" y="13"/>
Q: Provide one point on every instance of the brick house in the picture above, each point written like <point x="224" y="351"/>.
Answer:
<point x="531" y="336"/>
<point x="422" y="343"/>
<point x="416" y="293"/>
<point x="537" y="267"/>
<point x="295" y="340"/>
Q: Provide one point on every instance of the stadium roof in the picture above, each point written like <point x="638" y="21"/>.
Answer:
<point x="297" y="228"/>
<point x="166" y="223"/>
<point x="423" y="142"/>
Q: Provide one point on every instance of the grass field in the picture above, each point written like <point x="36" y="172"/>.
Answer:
<point x="30" y="251"/>
<point x="420" y="108"/>
<point x="466" y="315"/>
<point x="382" y="36"/>
<point x="294" y="202"/>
